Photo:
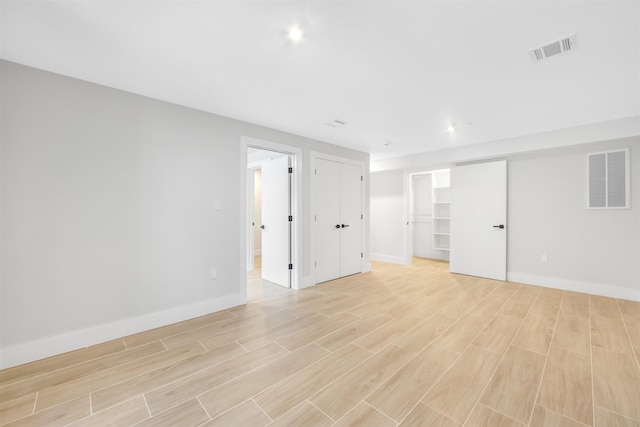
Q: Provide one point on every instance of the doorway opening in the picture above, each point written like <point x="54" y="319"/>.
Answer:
<point x="271" y="204"/>
<point x="429" y="215"/>
<point x="271" y="216"/>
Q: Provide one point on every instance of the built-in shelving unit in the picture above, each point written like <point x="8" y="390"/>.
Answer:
<point x="441" y="209"/>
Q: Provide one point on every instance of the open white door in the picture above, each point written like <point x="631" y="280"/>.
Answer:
<point x="479" y="220"/>
<point x="276" y="227"/>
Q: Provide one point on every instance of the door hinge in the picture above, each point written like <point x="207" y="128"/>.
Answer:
<point x="290" y="170"/>
<point x="361" y="216"/>
<point x="315" y="171"/>
<point x="361" y="255"/>
<point x="290" y="218"/>
<point x="361" y="178"/>
<point x="290" y="266"/>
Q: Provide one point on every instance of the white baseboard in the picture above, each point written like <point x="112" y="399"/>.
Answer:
<point x="307" y="282"/>
<point x="366" y="267"/>
<point x="388" y="258"/>
<point x="576" y="286"/>
<point x="51" y="346"/>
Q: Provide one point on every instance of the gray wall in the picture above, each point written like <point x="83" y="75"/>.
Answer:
<point x="597" y="251"/>
<point x="107" y="218"/>
<point x="388" y="216"/>
<point x="594" y="251"/>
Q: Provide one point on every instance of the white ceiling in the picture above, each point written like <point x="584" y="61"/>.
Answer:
<point x="394" y="71"/>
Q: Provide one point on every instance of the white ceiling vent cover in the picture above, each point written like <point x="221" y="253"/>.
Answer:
<point x="558" y="47"/>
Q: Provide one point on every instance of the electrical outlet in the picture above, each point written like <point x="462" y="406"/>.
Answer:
<point x="214" y="273"/>
<point x="544" y="258"/>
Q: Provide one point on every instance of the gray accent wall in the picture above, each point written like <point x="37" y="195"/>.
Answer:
<point x="107" y="218"/>
<point x="587" y="250"/>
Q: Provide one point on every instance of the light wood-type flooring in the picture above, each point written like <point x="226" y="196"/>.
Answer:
<point x="400" y="346"/>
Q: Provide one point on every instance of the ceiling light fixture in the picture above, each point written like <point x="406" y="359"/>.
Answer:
<point x="451" y="128"/>
<point x="296" y="34"/>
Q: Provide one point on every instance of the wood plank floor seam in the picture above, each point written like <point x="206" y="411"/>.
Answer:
<point x="377" y="410"/>
<point x="497" y="367"/>
<point x="397" y="346"/>
<point x="593" y="393"/>
<point x="267" y="415"/>
<point x="544" y="368"/>
<point x="438" y="412"/>
<point x="327" y="415"/>
<point x="203" y="408"/>
<point x="435" y="381"/>
<point x="626" y="328"/>
<point x="501" y="413"/>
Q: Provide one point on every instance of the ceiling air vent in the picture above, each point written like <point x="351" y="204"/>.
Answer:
<point x="336" y="123"/>
<point x="558" y="47"/>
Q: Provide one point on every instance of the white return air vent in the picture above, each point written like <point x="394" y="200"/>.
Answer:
<point x="608" y="180"/>
<point x="558" y="47"/>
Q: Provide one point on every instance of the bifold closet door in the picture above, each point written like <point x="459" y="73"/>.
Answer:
<point x="338" y="219"/>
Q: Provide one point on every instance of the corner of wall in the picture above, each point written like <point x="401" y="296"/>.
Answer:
<point x="389" y="258"/>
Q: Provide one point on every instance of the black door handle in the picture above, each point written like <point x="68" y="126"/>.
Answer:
<point x="262" y="226"/>
<point x="337" y="225"/>
<point x="501" y="226"/>
<point x="345" y="225"/>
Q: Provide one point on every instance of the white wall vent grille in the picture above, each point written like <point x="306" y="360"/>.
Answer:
<point x="608" y="180"/>
<point x="557" y="47"/>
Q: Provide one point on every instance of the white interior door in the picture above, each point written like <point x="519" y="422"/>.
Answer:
<point x="276" y="229"/>
<point x="327" y="216"/>
<point x="350" y="219"/>
<point x="338" y="215"/>
<point x="479" y="220"/>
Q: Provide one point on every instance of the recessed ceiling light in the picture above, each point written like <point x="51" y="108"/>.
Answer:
<point x="296" y="34"/>
<point x="451" y="128"/>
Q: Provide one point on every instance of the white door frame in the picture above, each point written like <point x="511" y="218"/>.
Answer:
<point x="314" y="155"/>
<point x="251" y="183"/>
<point x="409" y="211"/>
<point x="245" y="202"/>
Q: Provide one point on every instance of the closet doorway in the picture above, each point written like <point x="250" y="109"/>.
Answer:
<point x="338" y="217"/>
<point x="429" y="209"/>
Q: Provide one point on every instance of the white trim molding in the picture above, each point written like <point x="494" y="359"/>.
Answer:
<point x="75" y="340"/>
<point x="576" y="286"/>
<point x="391" y="259"/>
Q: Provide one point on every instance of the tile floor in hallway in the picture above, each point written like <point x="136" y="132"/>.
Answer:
<point x="399" y="346"/>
